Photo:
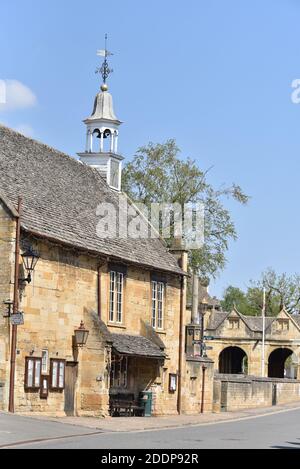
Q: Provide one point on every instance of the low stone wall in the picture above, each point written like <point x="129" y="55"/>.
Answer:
<point x="237" y="392"/>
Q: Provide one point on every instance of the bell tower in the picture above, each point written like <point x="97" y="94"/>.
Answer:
<point x="102" y="132"/>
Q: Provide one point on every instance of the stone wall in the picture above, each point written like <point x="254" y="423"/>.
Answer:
<point x="193" y="381"/>
<point x="251" y="341"/>
<point x="7" y="241"/>
<point x="64" y="291"/>
<point x="234" y="393"/>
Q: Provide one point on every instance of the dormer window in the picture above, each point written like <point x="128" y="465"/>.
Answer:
<point x="234" y="323"/>
<point x="282" y="325"/>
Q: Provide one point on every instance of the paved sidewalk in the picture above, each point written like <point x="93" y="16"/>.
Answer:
<point x="126" y="424"/>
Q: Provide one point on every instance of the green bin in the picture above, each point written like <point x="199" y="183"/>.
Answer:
<point x="146" y="402"/>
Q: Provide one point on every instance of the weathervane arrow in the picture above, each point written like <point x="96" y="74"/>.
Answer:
<point x="104" y="70"/>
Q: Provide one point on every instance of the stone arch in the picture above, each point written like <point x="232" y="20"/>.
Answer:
<point x="233" y="360"/>
<point x="277" y="362"/>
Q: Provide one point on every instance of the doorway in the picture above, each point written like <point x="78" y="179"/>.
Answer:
<point x="70" y="385"/>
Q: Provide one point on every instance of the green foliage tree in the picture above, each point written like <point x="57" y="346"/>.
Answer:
<point x="282" y="291"/>
<point x="157" y="174"/>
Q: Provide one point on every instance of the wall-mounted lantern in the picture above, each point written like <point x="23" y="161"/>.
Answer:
<point x="81" y="335"/>
<point x="30" y="259"/>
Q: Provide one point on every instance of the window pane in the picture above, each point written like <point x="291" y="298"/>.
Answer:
<point x="30" y="374"/>
<point x="120" y="297"/>
<point x="154" y="303"/>
<point x="54" y="374"/>
<point x="61" y="382"/>
<point x="160" y="312"/>
<point x="112" y="296"/>
<point x="37" y="377"/>
<point x="44" y="361"/>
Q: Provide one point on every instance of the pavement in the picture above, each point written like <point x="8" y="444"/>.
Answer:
<point x="258" y="428"/>
<point x="125" y="424"/>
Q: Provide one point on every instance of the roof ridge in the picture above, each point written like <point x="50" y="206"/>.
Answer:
<point x="71" y="193"/>
<point x="51" y="148"/>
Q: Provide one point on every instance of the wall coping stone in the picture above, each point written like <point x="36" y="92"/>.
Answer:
<point x="249" y="378"/>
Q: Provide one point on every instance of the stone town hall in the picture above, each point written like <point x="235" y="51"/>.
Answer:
<point x="125" y="297"/>
<point x="94" y="325"/>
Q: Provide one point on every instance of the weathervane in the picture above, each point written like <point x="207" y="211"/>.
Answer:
<point x="104" y="70"/>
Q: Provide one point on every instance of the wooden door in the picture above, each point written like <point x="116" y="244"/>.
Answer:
<point x="70" y="384"/>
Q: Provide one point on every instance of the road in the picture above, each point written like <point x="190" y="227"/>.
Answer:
<point x="280" y="430"/>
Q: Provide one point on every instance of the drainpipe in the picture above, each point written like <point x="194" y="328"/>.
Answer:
<point x="181" y="255"/>
<point x="182" y="296"/>
<point x="195" y="301"/>
<point x="99" y="291"/>
<point x="13" y="352"/>
<point x="203" y="389"/>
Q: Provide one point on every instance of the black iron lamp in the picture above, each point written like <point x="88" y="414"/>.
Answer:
<point x="81" y="335"/>
<point x="30" y="259"/>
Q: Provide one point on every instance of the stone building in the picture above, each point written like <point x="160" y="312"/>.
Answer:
<point x="237" y="344"/>
<point x="130" y="292"/>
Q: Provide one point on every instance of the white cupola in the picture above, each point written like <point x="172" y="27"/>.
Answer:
<point x="102" y="135"/>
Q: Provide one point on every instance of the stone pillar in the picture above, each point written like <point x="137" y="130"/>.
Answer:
<point x="195" y="302"/>
<point x="91" y="142"/>
<point x="87" y="146"/>
<point x="112" y="141"/>
<point x="116" y="142"/>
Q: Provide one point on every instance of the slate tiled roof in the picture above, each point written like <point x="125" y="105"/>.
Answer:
<point x="216" y="319"/>
<point x="136" y="346"/>
<point x="253" y="322"/>
<point x="256" y="323"/>
<point x="296" y="318"/>
<point x="60" y="199"/>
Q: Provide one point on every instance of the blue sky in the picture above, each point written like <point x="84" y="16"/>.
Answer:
<point x="215" y="75"/>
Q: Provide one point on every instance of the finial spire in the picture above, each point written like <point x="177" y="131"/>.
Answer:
<point x="104" y="70"/>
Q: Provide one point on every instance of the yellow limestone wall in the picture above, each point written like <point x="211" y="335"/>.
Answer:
<point x="62" y="293"/>
<point x="7" y="238"/>
<point x="237" y="393"/>
<point x="251" y="342"/>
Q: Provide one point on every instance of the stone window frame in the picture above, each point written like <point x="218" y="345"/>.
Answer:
<point x="34" y="387"/>
<point x="117" y="313"/>
<point x="56" y="386"/>
<point x="44" y="371"/>
<point x="282" y="324"/>
<point x="233" y="322"/>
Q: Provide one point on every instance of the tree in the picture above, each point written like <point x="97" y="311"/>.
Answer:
<point x="234" y="298"/>
<point x="282" y="291"/>
<point x="157" y="174"/>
